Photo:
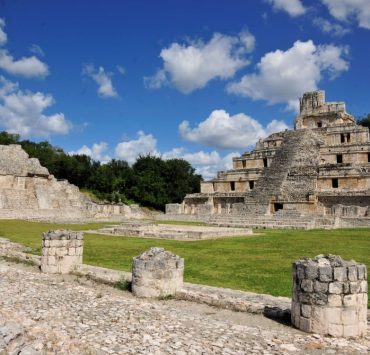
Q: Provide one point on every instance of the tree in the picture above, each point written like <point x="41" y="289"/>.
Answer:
<point x="364" y="121"/>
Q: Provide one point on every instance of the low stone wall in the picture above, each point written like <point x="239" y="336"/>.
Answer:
<point x="62" y="251"/>
<point x="330" y="296"/>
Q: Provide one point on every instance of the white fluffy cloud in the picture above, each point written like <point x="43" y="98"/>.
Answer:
<point x="191" y="66"/>
<point x="96" y="152"/>
<point x="220" y="130"/>
<point x="347" y="10"/>
<point x="330" y="27"/>
<point x="22" y="112"/>
<point x="283" y="76"/>
<point x="102" y="78"/>
<point x="143" y="145"/>
<point x="29" y="67"/>
<point x="205" y="164"/>
<point x="292" y="7"/>
<point x="3" y="36"/>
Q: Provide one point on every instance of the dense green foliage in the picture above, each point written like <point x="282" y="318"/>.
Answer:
<point x="151" y="181"/>
<point x="260" y="263"/>
<point x="364" y="121"/>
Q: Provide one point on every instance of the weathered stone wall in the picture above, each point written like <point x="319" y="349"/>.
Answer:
<point x="62" y="251"/>
<point x="157" y="273"/>
<point x="330" y="296"/>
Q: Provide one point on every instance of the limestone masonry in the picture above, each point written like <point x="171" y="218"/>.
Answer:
<point x="317" y="175"/>
<point x="27" y="190"/>
<point x="330" y="296"/>
<point x="62" y="251"/>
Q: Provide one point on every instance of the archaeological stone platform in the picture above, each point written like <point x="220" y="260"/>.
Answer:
<point x="315" y="176"/>
<point x="177" y="232"/>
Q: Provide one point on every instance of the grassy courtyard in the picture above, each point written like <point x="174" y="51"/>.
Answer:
<point x="260" y="263"/>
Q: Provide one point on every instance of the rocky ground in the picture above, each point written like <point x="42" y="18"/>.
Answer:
<point x="48" y="314"/>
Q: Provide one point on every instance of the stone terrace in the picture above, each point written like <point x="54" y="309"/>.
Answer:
<point x="70" y="315"/>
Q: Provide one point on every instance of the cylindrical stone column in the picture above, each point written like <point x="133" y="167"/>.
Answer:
<point x="330" y="296"/>
<point x="157" y="273"/>
<point x="62" y="251"/>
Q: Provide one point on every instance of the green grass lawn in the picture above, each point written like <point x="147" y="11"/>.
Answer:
<point x="260" y="263"/>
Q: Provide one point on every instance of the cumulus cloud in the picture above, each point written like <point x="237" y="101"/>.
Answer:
<point x="292" y="7"/>
<point x="206" y="164"/>
<point x="22" y="112"/>
<point x="334" y="29"/>
<point x="191" y="66"/>
<point x="131" y="149"/>
<point x="96" y="152"/>
<point x="284" y="75"/>
<point x="3" y="36"/>
<point x="102" y="78"/>
<point x="29" y="67"/>
<point x="223" y="131"/>
<point x="350" y="10"/>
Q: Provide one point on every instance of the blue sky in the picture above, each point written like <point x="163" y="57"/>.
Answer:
<point x="200" y="80"/>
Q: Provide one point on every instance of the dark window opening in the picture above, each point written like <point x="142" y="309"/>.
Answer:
<point x="339" y="158"/>
<point x="319" y="124"/>
<point x="232" y="185"/>
<point x="214" y="187"/>
<point x="334" y="183"/>
<point x="348" y="137"/>
<point x="368" y="157"/>
<point x="265" y="162"/>
<point x="278" y="206"/>
<point x="342" y="140"/>
<point x="244" y="163"/>
<point x="251" y="184"/>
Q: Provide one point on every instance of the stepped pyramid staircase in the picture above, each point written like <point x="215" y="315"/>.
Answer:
<point x="299" y="149"/>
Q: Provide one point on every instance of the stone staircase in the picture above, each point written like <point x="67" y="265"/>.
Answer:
<point x="272" y="221"/>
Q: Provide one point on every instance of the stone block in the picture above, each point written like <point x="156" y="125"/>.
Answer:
<point x="363" y="287"/>
<point x="326" y="273"/>
<point x="334" y="300"/>
<point x="319" y="321"/>
<point x="334" y="314"/>
<point x="352" y="273"/>
<point x="312" y="272"/>
<point x="305" y="324"/>
<point x="321" y="287"/>
<point x="350" y="300"/>
<point x="335" y="330"/>
<point x="351" y="330"/>
<point x="336" y="288"/>
<point x="340" y="274"/>
<point x="307" y="285"/>
<point x="361" y="272"/>
<point x="349" y="316"/>
<point x="306" y="310"/>
<point x="355" y="287"/>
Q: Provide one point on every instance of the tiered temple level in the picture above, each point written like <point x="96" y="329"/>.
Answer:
<point x="321" y="168"/>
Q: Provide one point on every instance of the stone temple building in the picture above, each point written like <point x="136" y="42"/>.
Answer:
<point x="317" y="175"/>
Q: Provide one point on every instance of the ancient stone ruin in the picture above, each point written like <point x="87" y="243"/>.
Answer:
<point x="62" y="251"/>
<point x="157" y="273"/>
<point x="28" y="191"/>
<point x="317" y="175"/>
<point x="177" y="232"/>
<point x="330" y="296"/>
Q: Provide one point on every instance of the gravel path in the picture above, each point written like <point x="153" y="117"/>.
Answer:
<point x="70" y="315"/>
